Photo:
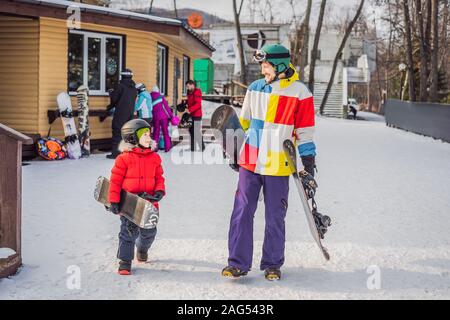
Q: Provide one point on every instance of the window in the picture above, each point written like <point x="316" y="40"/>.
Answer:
<point x="186" y="72"/>
<point x="162" y="68"/>
<point x="95" y="60"/>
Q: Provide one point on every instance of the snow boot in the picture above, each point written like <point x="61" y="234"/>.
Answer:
<point x="272" y="274"/>
<point x="233" y="272"/>
<point x="141" y="256"/>
<point x="124" y="268"/>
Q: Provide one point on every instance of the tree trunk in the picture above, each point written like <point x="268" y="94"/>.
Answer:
<point x="240" y="45"/>
<point x="435" y="54"/>
<point x="151" y="7"/>
<point x="348" y="31"/>
<point x="409" y="51"/>
<point x="302" y="52"/>
<point x="316" y="46"/>
<point x="423" y="94"/>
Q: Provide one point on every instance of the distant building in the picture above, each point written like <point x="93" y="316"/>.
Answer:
<point x="357" y="62"/>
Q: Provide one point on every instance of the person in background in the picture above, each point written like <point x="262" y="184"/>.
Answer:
<point x="144" y="104"/>
<point x="123" y="98"/>
<point x="194" y="105"/>
<point x="162" y="114"/>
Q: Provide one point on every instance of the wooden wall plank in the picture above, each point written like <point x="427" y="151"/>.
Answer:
<point x="19" y="59"/>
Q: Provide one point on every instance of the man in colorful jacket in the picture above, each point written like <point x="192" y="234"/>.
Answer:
<point x="275" y="108"/>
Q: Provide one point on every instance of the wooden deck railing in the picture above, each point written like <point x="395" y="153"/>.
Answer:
<point x="11" y="197"/>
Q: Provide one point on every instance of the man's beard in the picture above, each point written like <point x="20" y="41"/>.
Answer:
<point x="269" y="78"/>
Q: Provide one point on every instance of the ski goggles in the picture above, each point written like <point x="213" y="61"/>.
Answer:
<point x="261" y="56"/>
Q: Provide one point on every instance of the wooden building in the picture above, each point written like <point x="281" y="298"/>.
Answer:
<point x="46" y="49"/>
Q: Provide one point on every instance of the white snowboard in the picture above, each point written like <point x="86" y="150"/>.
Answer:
<point x="70" y="129"/>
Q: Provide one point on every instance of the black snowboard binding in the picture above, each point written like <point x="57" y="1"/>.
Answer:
<point x="310" y="186"/>
<point x="322" y="221"/>
<point x="309" y="183"/>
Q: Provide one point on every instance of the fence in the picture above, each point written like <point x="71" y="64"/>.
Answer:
<point x="429" y="119"/>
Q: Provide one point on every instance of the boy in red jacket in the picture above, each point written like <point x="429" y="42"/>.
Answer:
<point x="137" y="170"/>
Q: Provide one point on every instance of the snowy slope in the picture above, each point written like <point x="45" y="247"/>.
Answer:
<point x="386" y="190"/>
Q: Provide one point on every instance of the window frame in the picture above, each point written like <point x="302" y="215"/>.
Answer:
<point x="165" y="72"/>
<point x="186" y="77"/>
<point x="103" y="36"/>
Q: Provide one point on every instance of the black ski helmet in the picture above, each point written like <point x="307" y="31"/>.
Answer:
<point x="126" y="74"/>
<point x="130" y="128"/>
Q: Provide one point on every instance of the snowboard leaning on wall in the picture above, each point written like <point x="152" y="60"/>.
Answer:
<point x="70" y="129"/>
<point x="83" y="119"/>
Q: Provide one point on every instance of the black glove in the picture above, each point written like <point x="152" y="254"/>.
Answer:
<point x="309" y="163"/>
<point x="234" y="166"/>
<point x="158" y="195"/>
<point x="114" y="208"/>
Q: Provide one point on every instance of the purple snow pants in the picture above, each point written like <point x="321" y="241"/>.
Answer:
<point x="240" y="238"/>
<point x="162" y="124"/>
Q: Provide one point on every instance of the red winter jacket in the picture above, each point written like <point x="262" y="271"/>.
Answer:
<point x="137" y="170"/>
<point x="194" y="102"/>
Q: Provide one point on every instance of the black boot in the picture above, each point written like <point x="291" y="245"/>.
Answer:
<point x="233" y="272"/>
<point x="272" y="274"/>
<point x="141" y="256"/>
<point x="124" y="268"/>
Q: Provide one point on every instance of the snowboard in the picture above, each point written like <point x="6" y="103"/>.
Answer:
<point x="83" y="120"/>
<point x="70" y="130"/>
<point x="229" y="131"/>
<point x="291" y="156"/>
<point x="134" y="208"/>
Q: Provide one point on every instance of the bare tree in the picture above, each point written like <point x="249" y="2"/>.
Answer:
<point x="302" y="51"/>
<point x="240" y="45"/>
<point x="409" y="50"/>
<point x="314" y="52"/>
<point x="151" y="7"/>
<point x="423" y="37"/>
<point x="175" y="8"/>
<point x="339" y="53"/>
<point x="265" y="11"/>
<point x="435" y="53"/>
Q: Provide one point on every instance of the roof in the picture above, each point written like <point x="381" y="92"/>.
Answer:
<point x="118" y="13"/>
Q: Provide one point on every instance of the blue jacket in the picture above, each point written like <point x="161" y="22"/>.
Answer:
<point x="144" y="105"/>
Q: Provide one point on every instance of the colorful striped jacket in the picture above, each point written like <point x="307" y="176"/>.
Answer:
<point x="272" y="113"/>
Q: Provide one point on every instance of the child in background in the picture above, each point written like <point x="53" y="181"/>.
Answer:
<point x="137" y="170"/>
<point x="144" y="103"/>
<point x="162" y="114"/>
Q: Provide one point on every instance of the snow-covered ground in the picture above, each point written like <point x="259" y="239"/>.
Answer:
<point x="387" y="191"/>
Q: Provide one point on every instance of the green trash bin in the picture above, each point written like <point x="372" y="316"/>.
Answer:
<point x="204" y="74"/>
